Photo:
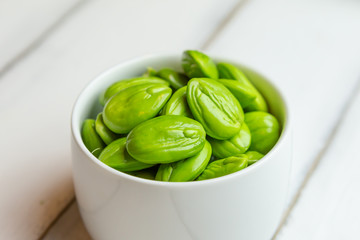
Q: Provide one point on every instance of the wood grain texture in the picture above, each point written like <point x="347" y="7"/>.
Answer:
<point x="24" y="24"/>
<point x="311" y="50"/>
<point x="329" y="205"/>
<point x="37" y="95"/>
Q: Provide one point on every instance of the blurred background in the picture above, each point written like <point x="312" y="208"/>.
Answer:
<point x="49" y="51"/>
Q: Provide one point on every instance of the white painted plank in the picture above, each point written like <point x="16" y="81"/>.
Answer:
<point x="69" y="226"/>
<point x="311" y="50"/>
<point x="23" y="22"/>
<point x="37" y="96"/>
<point x="329" y="205"/>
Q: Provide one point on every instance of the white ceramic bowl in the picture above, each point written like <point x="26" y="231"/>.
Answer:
<point x="244" y="205"/>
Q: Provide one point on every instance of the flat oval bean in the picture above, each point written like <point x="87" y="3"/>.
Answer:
<point x="224" y="167"/>
<point x="177" y="104"/>
<point x="116" y="156"/>
<point x="166" y="139"/>
<point x="91" y="138"/>
<point x="229" y="71"/>
<point x="253" y="156"/>
<point x="176" y="79"/>
<point x="123" y="84"/>
<point x="134" y="105"/>
<point x="198" y="65"/>
<point x="214" y="106"/>
<point x="264" y="129"/>
<point x="244" y="94"/>
<point x="185" y="170"/>
<point x="104" y="132"/>
<point x="230" y="147"/>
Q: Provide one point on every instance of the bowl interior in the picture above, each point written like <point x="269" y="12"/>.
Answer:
<point x="88" y="106"/>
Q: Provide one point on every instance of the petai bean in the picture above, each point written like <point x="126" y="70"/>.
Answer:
<point x="205" y="122"/>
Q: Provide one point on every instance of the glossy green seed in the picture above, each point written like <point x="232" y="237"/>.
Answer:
<point x="123" y="84"/>
<point x="253" y="156"/>
<point x="134" y="105"/>
<point x="166" y="139"/>
<point x="230" y="147"/>
<point x="198" y="65"/>
<point x="214" y="106"/>
<point x="244" y="94"/>
<point x="116" y="156"/>
<point x="177" y="104"/>
<point x="185" y="170"/>
<point x="104" y="132"/>
<point x="164" y="172"/>
<point x="176" y="80"/>
<point x="91" y="139"/>
<point x="229" y="71"/>
<point x="224" y="167"/>
<point x="264" y="129"/>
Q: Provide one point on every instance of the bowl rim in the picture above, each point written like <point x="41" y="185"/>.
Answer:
<point x="76" y="131"/>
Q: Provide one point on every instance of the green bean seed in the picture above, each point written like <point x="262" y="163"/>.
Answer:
<point x="244" y="94"/>
<point x="185" y="170"/>
<point x="253" y="156"/>
<point x="224" y="167"/>
<point x="230" y="147"/>
<point x="91" y="138"/>
<point x="229" y="71"/>
<point x="198" y="65"/>
<point x="116" y="156"/>
<point x="104" y="132"/>
<point x="134" y="105"/>
<point x="264" y="129"/>
<point x="166" y="139"/>
<point x="215" y="107"/>
<point x="177" y="104"/>
<point x="123" y="84"/>
<point x="176" y="80"/>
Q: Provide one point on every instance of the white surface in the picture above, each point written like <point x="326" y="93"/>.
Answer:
<point x="22" y="23"/>
<point x="329" y="206"/>
<point x="37" y="95"/>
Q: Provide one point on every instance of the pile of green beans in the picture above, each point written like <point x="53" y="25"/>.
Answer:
<point x="205" y="122"/>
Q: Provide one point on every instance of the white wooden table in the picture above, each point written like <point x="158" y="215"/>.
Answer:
<point x="49" y="50"/>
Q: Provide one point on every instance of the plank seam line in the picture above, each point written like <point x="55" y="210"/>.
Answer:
<point x="56" y="219"/>
<point x="320" y="156"/>
<point x="41" y="38"/>
<point x="221" y="26"/>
